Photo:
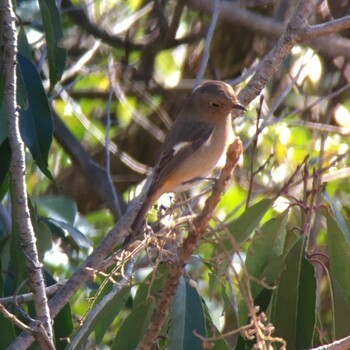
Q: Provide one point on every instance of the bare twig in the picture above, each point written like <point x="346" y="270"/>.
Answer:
<point x="210" y="34"/>
<point x="116" y="203"/>
<point x="25" y="298"/>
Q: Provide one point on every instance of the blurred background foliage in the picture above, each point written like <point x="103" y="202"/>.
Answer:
<point x="118" y="72"/>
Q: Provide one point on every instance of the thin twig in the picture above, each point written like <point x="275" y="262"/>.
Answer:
<point x="27" y="297"/>
<point x="208" y="39"/>
<point x="116" y="203"/>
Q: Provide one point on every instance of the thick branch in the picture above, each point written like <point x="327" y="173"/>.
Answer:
<point x="17" y="170"/>
<point x="332" y="46"/>
<point x="271" y="62"/>
<point x="95" y="175"/>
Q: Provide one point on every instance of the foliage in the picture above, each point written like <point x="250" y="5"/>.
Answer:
<point x="273" y="266"/>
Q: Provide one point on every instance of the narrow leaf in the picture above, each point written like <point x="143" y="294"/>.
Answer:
<point x="53" y="33"/>
<point x="265" y="261"/>
<point x="35" y="115"/>
<point x="266" y="245"/>
<point x="294" y="310"/>
<point x="58" y="207"/>
<point x="107" y="311"/>
<point x="3" y="110"/>
<point x="338" y="216"/>
<point x="242" y="227"/>
<point x="79" y="238"/>
<point x="186" y="315"/>
<point x="134" y="326"/>
<point x="339" y="262"/>
<point x="212" y="332"/>
<point x="5" y="159"/>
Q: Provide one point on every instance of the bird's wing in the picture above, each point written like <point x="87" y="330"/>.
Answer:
<point x="185" y="142"/>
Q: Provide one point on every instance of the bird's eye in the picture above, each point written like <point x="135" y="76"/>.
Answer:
<point x="214" y="104"/>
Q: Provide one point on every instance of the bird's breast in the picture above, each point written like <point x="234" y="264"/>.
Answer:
<point x="206" y="157"/>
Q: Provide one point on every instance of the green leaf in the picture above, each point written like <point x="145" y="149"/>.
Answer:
<point x="242" y="227"/>
<point x="134" y="326"/>
<point x="212" y="331"/>
<point x="79" y="238"/>
<point x="153" y="284"/>
<point x="42" y="232"/>
<point x="338" y="216"/>
<point x="58" y="207"/>
<point x="44" y="239"/>
<point x="341" y="307"/>
<point x="7" y="332"/>
<point x="107" y="312"/>
<point x="5" y="160"/>
<point x="23" y="44"/>
<point x="36" y="124"/>
<point x="294" y="310"/>
<point x="266" y="245"/>
<point x="3" y="109"/>
<point x="186" y="315"/>
<point x="264" y="261"/>
<point x="339" y="262"/>
<point x="53" y="33"/>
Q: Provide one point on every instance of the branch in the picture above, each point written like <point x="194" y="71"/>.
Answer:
<point x="37" y="331"/>
<point x="94" y="174"/>
<point x="331" y="46"/>
<point x="17" y="170"/>
<point x="342" y="344"/>
<point x="27" y="297"/>
<point x="197" y="232"/>
<point x="271" y="62"/>
<point x="79" y="16"/>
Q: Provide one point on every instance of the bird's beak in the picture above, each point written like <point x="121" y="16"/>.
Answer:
<point x="238" y="106"/>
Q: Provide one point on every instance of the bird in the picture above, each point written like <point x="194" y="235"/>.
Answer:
<point x="194" y="144"/>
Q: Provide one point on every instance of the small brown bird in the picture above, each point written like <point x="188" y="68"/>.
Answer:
<point x="194" y="144"/>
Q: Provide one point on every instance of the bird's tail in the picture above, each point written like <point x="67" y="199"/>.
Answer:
<point x="139" y="218"/>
